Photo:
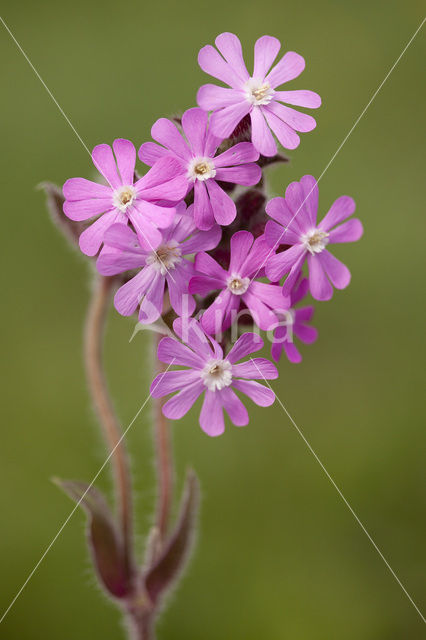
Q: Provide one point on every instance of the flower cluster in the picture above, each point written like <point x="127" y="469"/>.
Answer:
<point x="197" y="242"/>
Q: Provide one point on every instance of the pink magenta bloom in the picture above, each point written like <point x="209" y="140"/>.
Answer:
<point x="237" y="287"/>
<point x="166" y="264"/>
<point x="296" y="225"/>
<point x="294" y="323"/>
<point x="123" y="199"/>
<point x="211" y="373"/>
<point x="201" y="167"/>
<point x="255" y="94"/>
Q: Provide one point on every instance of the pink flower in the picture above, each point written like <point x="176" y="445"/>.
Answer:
<point x="296" y="225"/>
<point x="294" y="323"/>
<point x="166" y="264"/>
<point x="123" y="199"/>
<point x="236" y="286"/>
<point x="201" y="167"/>
<point x="210" y="373"/>
<point x="255" y="94"/>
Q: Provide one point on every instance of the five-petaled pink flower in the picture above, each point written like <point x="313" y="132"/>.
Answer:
<point x="296" y="225"/>
<point x="294" y="323"/>
<point x="209" y="372"/>
<point x="166" y="264"/>
<point x="201" y="167"/>
<point x="123" y="199"/>
<point x="238" y="286"/>
<point x="256" y="94"/>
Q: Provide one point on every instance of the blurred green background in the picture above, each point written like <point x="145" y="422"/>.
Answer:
<point x="279" y="555"/>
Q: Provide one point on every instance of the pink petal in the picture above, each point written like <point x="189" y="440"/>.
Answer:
<point x="177" y="281"/>
<point x="305" y="334"/>
<point x="287" y="137"/>
<point x="265" y="51"/>
<point x="121" y="237"/>
<point x="172" y="381"/>
<point x="206" y="264"/>
<point x="181" y="403"/>
<point x="103" y="160"/>
<point x="310" y="200"/>
<point x="297" y="203"/>
<point x="166" y="133"/>
<point x="246" y="175"/>
<point x="171" y="191"/>
<point x="256" y="369"/>
<point x="261" y="395"/>
<point x="241" y="243"/>
<point x="125" y="153"/>
<point x="152" y="304"/>
<point x="203" y="212"/>
<point x="191" y="332"/>
<point x="224" y="121"/>
<point x="91" y="239"/>
<point x="148" y="235"/>
<point x="292" y="352"/>
<point x="289" y="67"/>
<point x="129" y="295"/>
<point x="194" y="124"/>
<point x="244" y="346"/>
<point x="230" y="47"/>
<point x="279" y="209"/>
<point x="150" y="152"/>
<point x="164" y="170"/>
<point x="275" y="235"/>
<point x="262" y="137"/>
<point x="341" y="209"/>
<point x="234" y="407"/>
<point x="281" y="263"/>
<point x="271" y="295"/>
<point x="210" y="97"/>
<point x="339" y="274"/>
<point x="161" y="217"/>
<point x="223" y="206"/>
<point x="83" y="209"/>
<point x="202" y="241"/>
<point x="212" y="63"/>
<point x="238" y="154"/>
<point x="256" y="258"/>
<point x="295" y="119"/>
<point x="211" y="416"/>
<point x="204" y="285"/>
<point x="261" y="313"/>
<point x="349" y="231"/>
<point x="172" y="351"/>
<point x="319" y="285"/>
<point x="213" y="317"/>
<point x="81" y="189"/>
<point x="294" y="275"/>
<point x="300" y="98"/>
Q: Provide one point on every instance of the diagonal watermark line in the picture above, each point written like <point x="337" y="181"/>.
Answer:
<point x="68" y="518"/>
<point x="299" y="431"/>
<point x="70" y="124"/>
<point x="44" y="85"/>
<point x="341" y="145"/>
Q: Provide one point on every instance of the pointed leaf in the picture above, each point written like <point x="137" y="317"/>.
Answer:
<point x="171" y="562"/>
<point x="104" y="538"/>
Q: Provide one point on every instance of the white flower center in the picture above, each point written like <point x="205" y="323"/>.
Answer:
<point x="237" y="285"/>
<point x="258" y="91"/>
<point x="217" y="374"/>
<point x="123" y="197"/>
<point x="166" y="257"/>
<point x="201" y="169"/>
<point x="315" y="240"/>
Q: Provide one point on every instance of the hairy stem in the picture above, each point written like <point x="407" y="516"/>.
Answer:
<point x="163" y="456"/>
<point x="93" y="356"/>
